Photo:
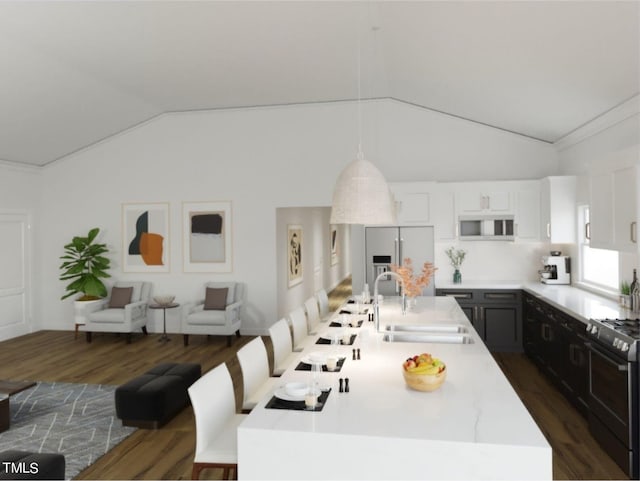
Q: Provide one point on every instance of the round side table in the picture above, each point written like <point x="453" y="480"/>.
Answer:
<point x="164" y="338"/>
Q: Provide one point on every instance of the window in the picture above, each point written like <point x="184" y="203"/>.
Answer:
<point x="598" y="267"/>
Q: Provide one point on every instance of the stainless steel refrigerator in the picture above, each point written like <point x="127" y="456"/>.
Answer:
<point x="390" y="245"/>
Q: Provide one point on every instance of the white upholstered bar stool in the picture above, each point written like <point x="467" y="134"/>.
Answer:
<point x="283" y="355"/>
<point x="313" y="314"/>
<point x="323" y="304"/>
<point x="301" y="338"/>
<point x="254" y="363"/>
<point x="214" y="408"/>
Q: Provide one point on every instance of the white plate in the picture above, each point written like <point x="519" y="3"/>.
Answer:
<point x="281" y="393"/>
<point x="315" y="358"/>
<point x="337" y="334"/>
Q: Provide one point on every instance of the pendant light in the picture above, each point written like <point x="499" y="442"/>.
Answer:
<point x="361" y="194"/>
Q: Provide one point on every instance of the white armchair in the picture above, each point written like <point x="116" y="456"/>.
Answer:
<point x="224" y="320"/>
<point x="133" y="314"/>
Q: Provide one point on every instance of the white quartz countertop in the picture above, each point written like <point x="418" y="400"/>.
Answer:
<point x="475" y="406"/>
<point x="576" y="302"/>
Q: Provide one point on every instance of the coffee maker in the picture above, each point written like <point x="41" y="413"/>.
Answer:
<point x="556" y="269"/>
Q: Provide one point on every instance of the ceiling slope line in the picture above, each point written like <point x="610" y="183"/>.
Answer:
<point x="477" y="122"/>
<point x="186" y="111"/>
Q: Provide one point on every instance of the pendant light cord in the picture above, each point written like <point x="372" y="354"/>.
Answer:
<point x="360" y="154"/>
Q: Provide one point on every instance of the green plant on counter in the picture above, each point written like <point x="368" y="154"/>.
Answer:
<point x="84" y="263"/>
<point x="625" y="288"/>
<point x="456" y="256"/>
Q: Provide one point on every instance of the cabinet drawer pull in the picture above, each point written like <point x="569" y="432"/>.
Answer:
<point x="466" y="295"/>
<point x="548" y="230"/>
<point x="587" y="231"/>
<point x="634" y="232"/>
<point x="495" y="295"/>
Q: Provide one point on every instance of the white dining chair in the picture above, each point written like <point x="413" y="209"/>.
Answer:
<point x="283" y="355"/>
<point x="254" y="363"/>
<point x="323" y="304"/>
<point x="214" y="408"/>
<point x="313" y="314"/>
<point x="301" y="338"/>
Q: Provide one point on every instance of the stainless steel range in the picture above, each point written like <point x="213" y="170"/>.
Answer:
<point x="614" y="408"/>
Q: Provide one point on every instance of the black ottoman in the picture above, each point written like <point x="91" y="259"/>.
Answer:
<point x="152" y="399"/>
<point x="26" y="465"/>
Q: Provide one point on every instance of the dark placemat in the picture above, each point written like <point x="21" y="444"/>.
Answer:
<point x="303" y="366"/>
<point x="351" y="301"/>
<point x="277" y="403"/>
<point x="338" y="324"/>
<point x="362" y="313"/>
<point x="322" y="340"/>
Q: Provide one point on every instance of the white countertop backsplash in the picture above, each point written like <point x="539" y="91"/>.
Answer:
<point x="576" y="302"/>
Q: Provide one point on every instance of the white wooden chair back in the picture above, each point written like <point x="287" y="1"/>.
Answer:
<point x="313" y="314"/>
<point x="299" y="327"/>
<point x="323" y="302"/>
<point x="254" y="363"/>
<point x="214" y="404"/>
<point x="281" y="341"/>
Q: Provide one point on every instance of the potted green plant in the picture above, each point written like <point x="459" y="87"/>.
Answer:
<point x="85" y="265"/>
<point x="625" y="294"/>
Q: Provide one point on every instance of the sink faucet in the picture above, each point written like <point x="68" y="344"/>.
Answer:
<point x="376" y="304"/>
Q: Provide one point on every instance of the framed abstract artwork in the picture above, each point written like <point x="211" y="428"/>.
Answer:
<point x="207" y="242"/>
<point x="334" y="244"/>
<point x="294" y="257"/>
<point x="145" y="237"/>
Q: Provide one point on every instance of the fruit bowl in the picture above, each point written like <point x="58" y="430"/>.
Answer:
<point x="424" y="372"/>
<point x="424" y="382"/>
<point x="163" y="300"/>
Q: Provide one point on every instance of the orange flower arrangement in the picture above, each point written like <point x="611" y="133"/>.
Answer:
<point x="413" y="285"/>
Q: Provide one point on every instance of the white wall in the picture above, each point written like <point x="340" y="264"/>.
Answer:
<point x="260" y="159"/>
<point x="316" y="255"/>
<point x="422" y="145"/>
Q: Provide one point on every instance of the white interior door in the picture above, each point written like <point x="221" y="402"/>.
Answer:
<point x="14" y="275"/>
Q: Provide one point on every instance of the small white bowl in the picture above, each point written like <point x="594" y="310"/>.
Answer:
<point x="164" y="300"/>
<point x="296" y="389"/>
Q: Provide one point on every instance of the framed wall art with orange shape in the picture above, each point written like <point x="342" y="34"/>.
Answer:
<point x="145" y="237"/>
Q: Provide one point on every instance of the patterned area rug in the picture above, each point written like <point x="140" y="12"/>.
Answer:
<point x="77" y="420"/>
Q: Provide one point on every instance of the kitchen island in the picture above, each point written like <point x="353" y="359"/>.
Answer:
<point x="473" y="427"/>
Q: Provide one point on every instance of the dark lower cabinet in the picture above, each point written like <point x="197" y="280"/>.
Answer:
<point x="554" y="341"/>
<point x="495" y="314"/>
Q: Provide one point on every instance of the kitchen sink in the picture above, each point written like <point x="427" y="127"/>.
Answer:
<point x="443" y="338"/>
<point x="427" y="328"/>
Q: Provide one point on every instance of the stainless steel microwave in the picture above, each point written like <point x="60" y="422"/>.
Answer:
<point x="486" y="227"/>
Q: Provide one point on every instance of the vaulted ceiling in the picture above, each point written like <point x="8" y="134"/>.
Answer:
<point x="74" y="73"/>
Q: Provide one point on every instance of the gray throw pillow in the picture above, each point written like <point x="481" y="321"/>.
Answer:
<point x="120" y="297"/>
<point x="215" y="298"/>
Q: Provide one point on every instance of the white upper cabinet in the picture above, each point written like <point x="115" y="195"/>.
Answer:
<point x="625" y="213"/>
<point x="528" y="211"/>
<point x="613" y="209"/>
<point x="558" y="209"/>
<point x="444" y="214"/>
<point x="471" y="201"/>
<point x="413" y="202"/>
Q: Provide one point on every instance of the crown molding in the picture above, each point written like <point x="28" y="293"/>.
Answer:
<point x="614" y="116"/>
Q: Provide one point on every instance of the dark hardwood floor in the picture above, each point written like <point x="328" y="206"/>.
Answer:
<point x="167" y="453"/>
<point x="576" y="455"/>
